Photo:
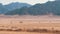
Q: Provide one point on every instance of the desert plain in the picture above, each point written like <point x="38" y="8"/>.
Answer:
<point x="29" y="24"/>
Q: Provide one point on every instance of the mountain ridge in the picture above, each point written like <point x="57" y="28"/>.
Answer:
<point x="12" y="6"/>
<point x="40" y="9"/>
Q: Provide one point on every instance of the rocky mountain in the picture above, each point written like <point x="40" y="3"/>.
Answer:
<point x="12" y="6"/>
<point x="2" y="9"/>
<point x="38" y="9"/>
<point x="16" y="5"/>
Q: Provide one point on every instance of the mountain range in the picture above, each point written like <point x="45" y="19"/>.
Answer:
<point x="38" y="9"/>
<point x="12" y="6"/>
<point x="27" y="9"/>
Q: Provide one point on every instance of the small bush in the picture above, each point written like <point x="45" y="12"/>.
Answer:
<point x="20" y="22"/>
<point x="37" y="30"/>
<point x="8" y="30"/>
<point x="18" y="30"/>
<point x="1" y="29"/>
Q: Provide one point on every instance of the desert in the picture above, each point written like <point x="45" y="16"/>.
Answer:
<point x="29" y="24"/>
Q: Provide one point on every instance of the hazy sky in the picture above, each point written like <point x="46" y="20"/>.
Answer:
<point x="24" y="1"/>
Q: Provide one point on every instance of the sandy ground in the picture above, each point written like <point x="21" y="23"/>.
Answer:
<point x="5" y="32"/>
<point x="29" y="22"/>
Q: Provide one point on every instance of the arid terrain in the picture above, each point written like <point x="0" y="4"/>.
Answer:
<point x="29" y="24"/>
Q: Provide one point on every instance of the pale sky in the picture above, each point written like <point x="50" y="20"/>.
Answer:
<point x="24" y="1"/>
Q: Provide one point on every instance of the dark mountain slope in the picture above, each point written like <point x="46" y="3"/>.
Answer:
<point x="40" y="9"/>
